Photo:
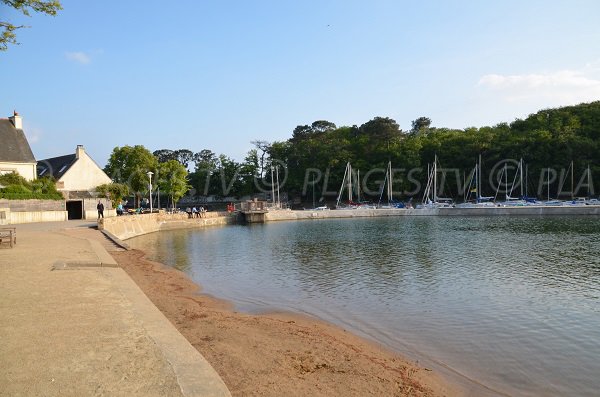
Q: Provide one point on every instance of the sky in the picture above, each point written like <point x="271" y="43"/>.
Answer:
<point x="219" y="74"/>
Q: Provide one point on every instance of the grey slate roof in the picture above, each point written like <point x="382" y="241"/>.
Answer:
<point x="55" y="166"/>
<point x="13" y="144"/>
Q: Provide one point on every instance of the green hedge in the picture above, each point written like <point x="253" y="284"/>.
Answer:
<point x="31" y="196"/>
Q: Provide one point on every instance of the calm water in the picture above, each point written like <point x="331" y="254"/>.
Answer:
<point x="511" y="303"/>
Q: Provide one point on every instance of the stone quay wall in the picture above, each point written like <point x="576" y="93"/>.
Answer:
<point x="129" y="226"/>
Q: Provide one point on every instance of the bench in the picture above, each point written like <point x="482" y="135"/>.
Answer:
<point x="8" y="235"/>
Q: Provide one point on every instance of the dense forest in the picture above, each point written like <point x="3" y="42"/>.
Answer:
<point x="549" y="139"/>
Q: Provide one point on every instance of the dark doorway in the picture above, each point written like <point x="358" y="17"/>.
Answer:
<point x="75" y="209"/>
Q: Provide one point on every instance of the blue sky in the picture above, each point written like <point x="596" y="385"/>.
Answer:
<point x="219" y="74"/>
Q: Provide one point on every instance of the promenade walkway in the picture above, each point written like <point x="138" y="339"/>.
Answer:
<point x="74" y="324"/>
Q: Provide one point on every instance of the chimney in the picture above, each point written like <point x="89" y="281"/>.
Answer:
<point x="79" y="151"/>
<point x="16" y="120"/>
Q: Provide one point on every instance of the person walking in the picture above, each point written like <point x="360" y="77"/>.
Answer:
<point x="100" y="208"/>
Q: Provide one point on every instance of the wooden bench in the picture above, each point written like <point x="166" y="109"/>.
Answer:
<point x="8" y="235"/>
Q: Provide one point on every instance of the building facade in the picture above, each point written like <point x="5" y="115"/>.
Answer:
<point x="15" y="152"/>
<point x="77" y="175"/>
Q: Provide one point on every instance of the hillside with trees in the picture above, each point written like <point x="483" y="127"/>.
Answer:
<point x="550" y="138"/>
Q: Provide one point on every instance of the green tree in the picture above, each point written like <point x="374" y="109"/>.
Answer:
<point x="206" y="163"/>
<point x="115" y="192"/>
<point x="7" y="29"/>
<point x="420" y="125"/>
<point x="129" y="165"/>
<point x="14" y="186"/>
<point x="184" y="156"/>
<point x="172" y="179"/>
<point x="164" y="155"/>
<point x="12" y="178"/>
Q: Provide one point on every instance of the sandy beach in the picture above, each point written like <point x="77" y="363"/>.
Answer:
<point x="277" y="353"/>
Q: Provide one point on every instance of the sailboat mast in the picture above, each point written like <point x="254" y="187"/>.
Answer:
<point x="479" y="180"/>
<point x="358" y="186"/>
<point x="342" y="187"/>
<point x="390" y="190"/>
<point x="277" y="172"/>
<point x="548" y="183"/>
<point x="313" y="191"/>
<point x="526" y="169"/>
<point x="429" y="180"/>
<point x="588" y="181"/>
<point x="349" y="183"/>
<point x="465" y="187"/>
<point x="506" y="181"/>
<point x="572" y="192"/>
<point x="435" y="179"/>
<point x="521" y="167"/>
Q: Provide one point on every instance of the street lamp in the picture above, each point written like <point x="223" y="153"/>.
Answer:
<point x="149" y="173"/>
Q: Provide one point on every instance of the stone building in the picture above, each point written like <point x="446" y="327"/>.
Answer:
<point x="15" y="152"/>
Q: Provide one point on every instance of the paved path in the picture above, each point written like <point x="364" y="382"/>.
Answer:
<point x="86" y="329"/>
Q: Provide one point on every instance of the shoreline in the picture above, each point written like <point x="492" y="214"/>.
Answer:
<point x="276" y="352"/>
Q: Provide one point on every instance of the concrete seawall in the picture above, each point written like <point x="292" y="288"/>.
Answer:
<point x="129" y="226"/>
<point x="286" y="215"/>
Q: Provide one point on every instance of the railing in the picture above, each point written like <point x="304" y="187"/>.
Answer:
<point x="252" y="206"/>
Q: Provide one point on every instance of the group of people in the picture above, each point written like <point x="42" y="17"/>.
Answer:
<point x="195" y="212"/>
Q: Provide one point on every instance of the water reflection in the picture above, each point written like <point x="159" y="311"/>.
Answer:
<point x="511" y="302"/>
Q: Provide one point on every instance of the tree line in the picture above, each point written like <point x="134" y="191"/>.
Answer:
<point x="550" y="138"/>
<point x="315" y="155"/>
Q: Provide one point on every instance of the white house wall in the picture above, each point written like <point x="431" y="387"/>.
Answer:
<point x="84" y="174"/>
<point x="26" y="170"/>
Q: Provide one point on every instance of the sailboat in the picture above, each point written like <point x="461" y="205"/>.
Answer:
<point x="475" y="187"/>
<point x="510" y="200"/>
<point x="430" y="198"/>
<point x="347" y="183"/>
<point x="347" y="180"/>
<point x="581" y="201"/>
<point x="390" y="192"/>
<point x="549" y="201"/>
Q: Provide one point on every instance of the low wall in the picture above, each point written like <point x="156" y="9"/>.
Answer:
<point x="33" y="205"/>
<point x="286" y="215"/>
<point x="37" y="216"/>
<point x="128" y="226"/>
<point x="31" y="211"/>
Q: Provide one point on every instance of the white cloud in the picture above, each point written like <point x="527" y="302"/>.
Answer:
<point x="79" y="57"/>
<point x="549" y="89"/>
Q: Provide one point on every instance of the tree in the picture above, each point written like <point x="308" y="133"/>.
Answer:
<point x="262" y="149"/>
<point x="184" y="156"/>
<point x="130" y="165"/>
<point x="13" y="185"/>
<point x="420" y="125"/>
<point x="115" y="192"/>
<point x="172" y="180"/>
<point x="164" y="155"/>
<point x="321" y="126"/>
<point x="7" y="29"/>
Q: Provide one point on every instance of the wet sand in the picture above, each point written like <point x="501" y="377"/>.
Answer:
<point x="278" y="353"/>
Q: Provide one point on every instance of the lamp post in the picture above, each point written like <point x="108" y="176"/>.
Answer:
<point x="149" y="173"/>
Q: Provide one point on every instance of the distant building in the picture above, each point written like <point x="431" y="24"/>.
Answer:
<point x="77" y="175"/>
<point x="15" y="152"/>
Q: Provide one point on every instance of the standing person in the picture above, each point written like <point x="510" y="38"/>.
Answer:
<point x="100" y="208"/>
<point x="120" y="209"/>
